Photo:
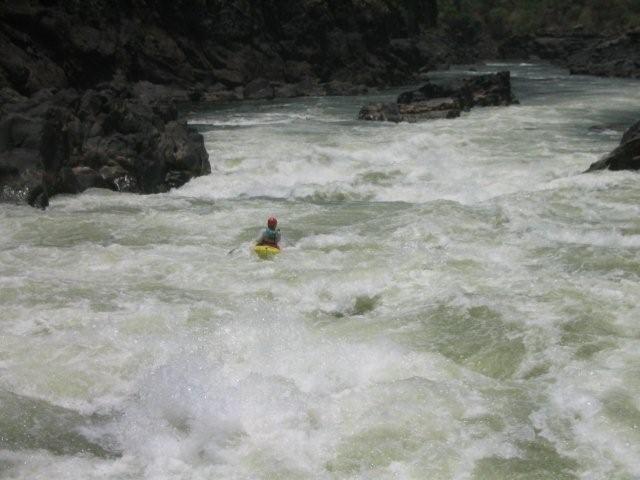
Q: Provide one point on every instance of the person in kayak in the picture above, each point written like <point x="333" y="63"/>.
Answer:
<point x="270" y="236"/>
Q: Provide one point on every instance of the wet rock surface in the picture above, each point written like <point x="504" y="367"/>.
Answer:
<point x="66" y="142"/>
<point x="433" y="101"/>
<point x="626" y="156"/>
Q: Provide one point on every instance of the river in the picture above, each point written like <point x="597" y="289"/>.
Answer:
<point x="455" y="300"/>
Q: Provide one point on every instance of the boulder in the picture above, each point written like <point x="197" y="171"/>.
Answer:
<point x="307" y="87"/>
<point x="259" y="88"/>
<point x="116" y="178"/>
<point x="488" y="90"/>
<point x="288" y="90"/>
<point x="433" y="101"/>
<point x="631" y="133"/>
<point x="434" y="109"/>
<point x="296" y="71"/>
<point x="231" y="78"/>
<point x="86" y="178"/>
<point x="65" y="142"/>
<point x="22" y="179"/>
<point x="427" y="92"/>
<point x="626" y="156"/>
<point x="182" y="151"/>
<point x="617" y="57"/>
<point x="381" y="112"/>
<point x="310" y="87"/>
<point x="336" y="87"/>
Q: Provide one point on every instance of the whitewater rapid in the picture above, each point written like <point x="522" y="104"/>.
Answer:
<point x="455" y="300"/>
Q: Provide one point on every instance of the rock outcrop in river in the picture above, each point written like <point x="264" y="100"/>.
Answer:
<point x="109" y="137"/>
<point x="432" y="101"/>
<point x="626" y="156"/>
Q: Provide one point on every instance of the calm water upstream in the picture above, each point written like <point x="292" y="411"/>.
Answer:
<point x="455" y="301"/>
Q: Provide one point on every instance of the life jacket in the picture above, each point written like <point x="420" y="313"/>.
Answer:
<point x="269" y="237"/>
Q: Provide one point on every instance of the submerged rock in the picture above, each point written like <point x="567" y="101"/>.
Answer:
<point x="35" y="424"/>
<point x="432" y="101"/>
<point x="66" y="142"/>
<point x="626" y="156"/>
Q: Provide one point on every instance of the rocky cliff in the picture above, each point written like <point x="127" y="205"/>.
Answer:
<point x="86" y="87"/>
<point x="218" y="49"/>
<point x="67" y="141"/>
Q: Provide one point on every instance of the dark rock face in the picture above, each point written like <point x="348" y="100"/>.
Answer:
<point x="626" y="156"/>
<point x="552" y="46"/>
<point x="631" y="133"/>
<point x="433" y="101"/>
<point x="618" y="57"/>
<point x="245" y="49"/>
<point x="66" y="142"/>
<point x="581" y="52"/>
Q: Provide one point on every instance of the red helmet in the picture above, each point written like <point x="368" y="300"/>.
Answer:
<point x="272" y="223"/>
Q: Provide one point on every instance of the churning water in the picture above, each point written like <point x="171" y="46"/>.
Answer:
<point x="455" y="301"/>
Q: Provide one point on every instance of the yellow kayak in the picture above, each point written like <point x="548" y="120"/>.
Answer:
<point x="266" y="251"/>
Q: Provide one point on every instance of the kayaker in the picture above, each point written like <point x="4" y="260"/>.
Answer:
<point x="271" y="235"/>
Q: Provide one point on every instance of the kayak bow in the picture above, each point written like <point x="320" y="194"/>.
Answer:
<point x="266" y="251"/>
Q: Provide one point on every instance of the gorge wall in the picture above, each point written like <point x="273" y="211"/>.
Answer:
<point x="86" y="87"/>
<point x="221" y="49"/>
